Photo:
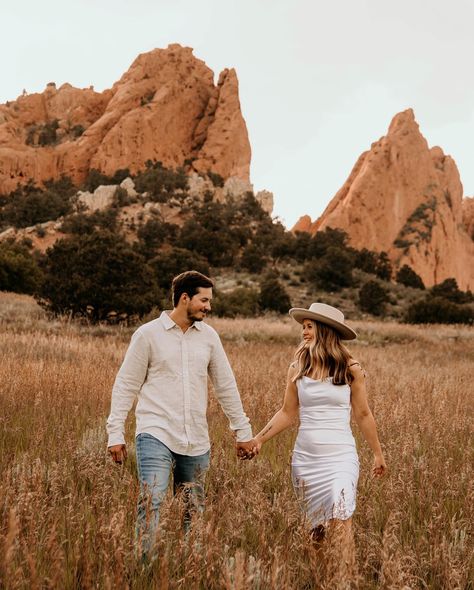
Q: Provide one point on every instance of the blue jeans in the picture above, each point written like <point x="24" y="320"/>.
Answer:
<point x="155" y="463"/>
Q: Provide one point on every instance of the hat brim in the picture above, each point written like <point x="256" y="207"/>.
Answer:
<point x="299" y="314"/>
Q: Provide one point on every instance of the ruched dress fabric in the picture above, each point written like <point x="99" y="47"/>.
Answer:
<point x="325" y="465"/>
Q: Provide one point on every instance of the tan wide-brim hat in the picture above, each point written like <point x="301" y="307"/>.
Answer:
<point x="326" y="314"/>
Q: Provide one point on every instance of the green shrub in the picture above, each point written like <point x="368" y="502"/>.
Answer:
<point x="384" y="267"/>
<point x="328" y="239"/>
<point x="161" y="183"/>
<point x="29" y="204"/>
<point x="153" y="234"/>
<point x="95" y="178"/>
<point x="242" y="301"/>
<point x="95" y="274"/>
<point x="402" y="243"/>
<point x="43" y="134"/>
<point x="19" y="270"/>
<point x="173" y="261"/>
<point x="331" y="272"/>
<point x="437" y="310"/>
<point x="302" y="242"/>
<point x="219" y="245"/>
<point x="88" y="223"/>
<point x="121" y="198"/>
<point x="31" y="135"/>
<point x="253" y="258"/>
<point x="408" y="277"/>
<point x="449" y="290"/>
<point x="366" y="260"/>
<point x="40" y="231"/>
<point x="418" y="227"/>
<point x="233" y="232"/>
<point x="373" y="298"/>
<point x="48" y="133"/>
<point x="273" y="296"/>
<point x="287" y="245"/>
<point x="421" y="213"/>
<point x="376" y="263"/>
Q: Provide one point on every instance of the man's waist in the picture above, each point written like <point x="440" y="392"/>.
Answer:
<point x="182" y="445"/>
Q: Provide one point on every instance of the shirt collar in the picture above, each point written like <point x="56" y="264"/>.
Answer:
<point x="168" y="323"/>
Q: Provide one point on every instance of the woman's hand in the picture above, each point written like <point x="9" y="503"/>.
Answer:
<point x="248" y="450"/>
<point x="257" y="445"/>
<point x="380" y="467"/>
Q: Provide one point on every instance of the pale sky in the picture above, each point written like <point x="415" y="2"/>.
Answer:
<point x="319" y="80"/>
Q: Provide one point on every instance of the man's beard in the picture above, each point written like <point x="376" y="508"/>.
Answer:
<point x="193" y="318"/>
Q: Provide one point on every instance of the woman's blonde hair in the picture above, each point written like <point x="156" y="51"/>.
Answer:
<point x="325" y="356"/>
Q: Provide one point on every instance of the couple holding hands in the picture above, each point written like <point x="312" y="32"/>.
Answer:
<point x="166" y="367"/>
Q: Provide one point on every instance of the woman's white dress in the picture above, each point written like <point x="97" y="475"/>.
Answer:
<point x="325" y="466"/>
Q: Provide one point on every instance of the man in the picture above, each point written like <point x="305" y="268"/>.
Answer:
<point x="166" y="366"/>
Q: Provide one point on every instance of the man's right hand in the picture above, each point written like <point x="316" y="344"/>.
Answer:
<point x="118" y="453"/>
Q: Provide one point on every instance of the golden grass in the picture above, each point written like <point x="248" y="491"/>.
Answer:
<point x="67" y="513"/>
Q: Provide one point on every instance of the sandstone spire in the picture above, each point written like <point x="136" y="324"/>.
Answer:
<point x="406" y="199"/>
<point x="226" y="142"/>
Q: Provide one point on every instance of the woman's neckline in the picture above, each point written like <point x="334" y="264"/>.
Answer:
<point x="311" y="378"/>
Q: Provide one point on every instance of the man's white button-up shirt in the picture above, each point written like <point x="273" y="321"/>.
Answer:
<point x="167" y="369"/>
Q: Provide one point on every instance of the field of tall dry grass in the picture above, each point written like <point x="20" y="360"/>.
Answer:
<point x="67" y="513"/>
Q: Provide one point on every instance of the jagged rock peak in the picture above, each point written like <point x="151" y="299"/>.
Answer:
<point x="165" y="107"/>
<point x="406" y="199"/>
<point x="404" y="121"/>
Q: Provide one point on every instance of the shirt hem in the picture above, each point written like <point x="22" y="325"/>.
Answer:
<point x="189" y="449"/>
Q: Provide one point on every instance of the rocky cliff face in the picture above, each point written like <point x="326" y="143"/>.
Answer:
<point x="406" y="199"/>
<point x="166" y="107"/>
<point x="468" y="215"/>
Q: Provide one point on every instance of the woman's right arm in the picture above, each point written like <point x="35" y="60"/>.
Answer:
<point x="285" y="416"/>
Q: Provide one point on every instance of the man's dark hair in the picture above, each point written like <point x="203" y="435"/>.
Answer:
<point x="188" y="282"/>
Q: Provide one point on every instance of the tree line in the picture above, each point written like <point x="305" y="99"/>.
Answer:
<point x="98" y="272"/>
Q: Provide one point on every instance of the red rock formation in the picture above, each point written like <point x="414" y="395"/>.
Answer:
<point x="165" y="107"/>
<point x="468" y="215"/>
<point x="406" y="199"/>
<point x="225" y="142"/>
<point x="303" y="224"/>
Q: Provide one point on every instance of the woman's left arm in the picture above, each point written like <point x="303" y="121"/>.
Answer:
<point x="365" y="419"/>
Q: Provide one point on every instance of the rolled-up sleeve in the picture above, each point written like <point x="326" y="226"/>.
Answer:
<point x="128" y="382"/>
<point x="227" y="392"/>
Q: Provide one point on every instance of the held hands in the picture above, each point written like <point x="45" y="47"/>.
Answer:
<point x="380" y="467"/>
<point x="118" y="453"/>
<point x="248" y="449"/>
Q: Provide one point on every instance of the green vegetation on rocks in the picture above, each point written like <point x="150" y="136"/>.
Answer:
<point x="408" y="277"/>
<point x="162" y="231"/>
<point x="30" y="204"/>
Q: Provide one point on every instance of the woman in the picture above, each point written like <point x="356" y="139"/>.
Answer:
<point x="325" y="384"/>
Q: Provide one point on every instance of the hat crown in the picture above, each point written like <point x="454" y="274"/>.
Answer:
<point x="326" y="314"/>
<point x="327" y="310"/>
